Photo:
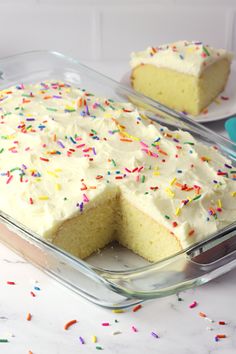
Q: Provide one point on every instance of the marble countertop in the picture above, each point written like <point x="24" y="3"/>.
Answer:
<point x="25" y="289"/>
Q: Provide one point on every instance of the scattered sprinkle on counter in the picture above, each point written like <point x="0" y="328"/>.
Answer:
<point x="69" y="324"/>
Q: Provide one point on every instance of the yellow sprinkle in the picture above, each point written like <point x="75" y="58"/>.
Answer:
<point x="217" y="101"/>
<point x="173" y="181"/>
<point x="156" y="143"/>
<point x="190" y="50"/>
<point x="143" y="116"/>
<point x="43" y="197"/>
<point x="38" y="179"/>
<point x="177" y="211"/>
<point x="107" y="115"/>
<point x="169" y="192"/>
<point x="69" y="107"/>
<point x="233" y="194"/>
<point x="130" y="136"/>
<point x="52" y="174"/>
<point x="58" y="187"/>
<point x="94" y="339"/>
<point x="58" y="170"/>
<point x="219" y="203"/>
<point x="156" y="173"/>
<point x="117" y="311"/>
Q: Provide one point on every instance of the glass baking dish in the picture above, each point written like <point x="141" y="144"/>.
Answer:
<point x="115" y="277"/>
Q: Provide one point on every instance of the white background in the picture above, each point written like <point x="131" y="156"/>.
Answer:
<point x="110" y="30"/>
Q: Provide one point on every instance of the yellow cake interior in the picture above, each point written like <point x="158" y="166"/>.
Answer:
<point x="180" y="91"/>
<point x="116" y="219"/>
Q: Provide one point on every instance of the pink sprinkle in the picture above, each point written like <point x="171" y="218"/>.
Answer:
<point x="11" y="283"/>
<point x="143" y="144"/>
<point x="126" y="169"/>
<point x="154" y="155"/>
<point x="85" y="198"/>
<point x="140" y="168"/>
<point x="105" y="324"/>
<point x="134" y="329"/>
<point x="33" y="294"/>
<point x="225" y="98"/>
<point x="194" y="304"/>
<point x="9" y="179"/>
<point x="80" y="146"/>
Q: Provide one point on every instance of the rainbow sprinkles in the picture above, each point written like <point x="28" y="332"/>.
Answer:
<point x="62" y="150"/>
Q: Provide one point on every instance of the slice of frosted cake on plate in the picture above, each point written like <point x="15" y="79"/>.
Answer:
<point x="185" y="76"/>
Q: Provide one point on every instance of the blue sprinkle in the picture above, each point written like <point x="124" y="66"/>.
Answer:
<point x="72" y="140"/>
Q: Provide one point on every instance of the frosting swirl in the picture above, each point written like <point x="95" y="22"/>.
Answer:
<point x="187" y="57"/>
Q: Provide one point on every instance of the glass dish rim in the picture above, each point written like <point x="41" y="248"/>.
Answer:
<point x="95" y="270"/>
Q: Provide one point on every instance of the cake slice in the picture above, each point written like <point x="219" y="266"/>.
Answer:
<point x="185" y="76"/>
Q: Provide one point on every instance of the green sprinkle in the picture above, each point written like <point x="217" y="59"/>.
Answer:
<point x="65" y="198"/>
<point x="189" y="143"/>
<point x="167" y="217"/>
<point x="206" y="51"/>
<point x="234" y="171"/>
<point x="146" y="193"/>
<point x="99" y="348"/>
<point x="3" y="340"/>
<point x="113" y="161"/>
<point x="197" y="197"/>
<point x="1" y="150"/>
<point x="26" y="95"/>
<point x="17" y="108"/>
<point x="15" y="169"/>
<point x="29" y="126"/>
<point x="102" y="108"/>
<point x="93" y="131"/>
<point x="51" y="109"/>
<point x="113" y="108"/>
<point x="143" y="179"/>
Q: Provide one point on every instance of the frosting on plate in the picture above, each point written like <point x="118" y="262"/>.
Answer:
<point x="62" y="150"/>
<point x="183" y="56"/>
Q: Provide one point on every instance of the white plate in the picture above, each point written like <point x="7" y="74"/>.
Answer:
<point x="220" y="108"/>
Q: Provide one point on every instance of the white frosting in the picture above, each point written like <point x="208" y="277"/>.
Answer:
<point x="183" y="56"/>
<point x="62" y="149"/>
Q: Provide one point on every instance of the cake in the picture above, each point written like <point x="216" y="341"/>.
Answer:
<point x="185" y="76"/>
<point x="81" y="171"/>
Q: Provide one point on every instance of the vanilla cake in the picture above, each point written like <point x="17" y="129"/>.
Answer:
<point x="185" y="76"/>
<point x="82" y="171"/>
